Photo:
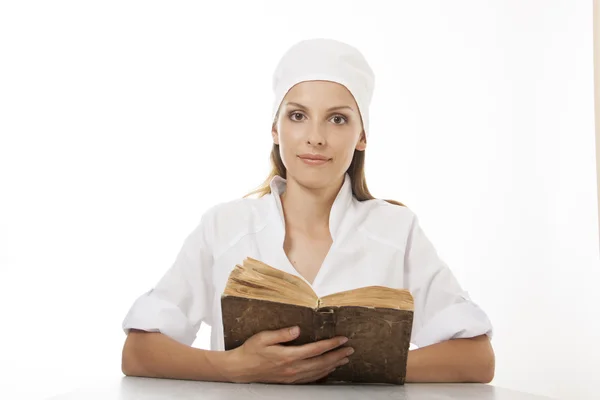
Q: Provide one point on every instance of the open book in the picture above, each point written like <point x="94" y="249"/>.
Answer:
<point x="377" y="320"/>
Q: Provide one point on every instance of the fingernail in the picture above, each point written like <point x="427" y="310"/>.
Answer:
<point x="344" y="361"/>
<point x="294" y="331"/>
<point x="343" y="340"/>
<point x="350" y="351"/>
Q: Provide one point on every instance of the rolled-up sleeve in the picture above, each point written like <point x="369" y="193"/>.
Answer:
<point x="180" y="301"/>
<point x="443" y="310"/>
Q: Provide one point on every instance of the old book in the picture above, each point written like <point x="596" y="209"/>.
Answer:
<point x="377" y="320"/>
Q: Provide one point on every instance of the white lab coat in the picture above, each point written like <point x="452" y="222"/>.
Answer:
<point x="374" y="243"/>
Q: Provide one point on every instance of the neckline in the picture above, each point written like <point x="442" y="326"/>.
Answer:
<point x="339" y="209"/>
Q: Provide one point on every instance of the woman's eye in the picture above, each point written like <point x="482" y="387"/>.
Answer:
<point x="339" y="119"/>
<point x="296" y="114"/>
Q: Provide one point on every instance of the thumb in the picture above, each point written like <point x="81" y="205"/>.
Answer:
<point x="269" y="338"/>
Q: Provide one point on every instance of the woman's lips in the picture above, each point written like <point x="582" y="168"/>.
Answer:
<point x="313" y="159"/>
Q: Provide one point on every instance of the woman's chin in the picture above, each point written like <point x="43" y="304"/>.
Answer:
<point x="314" y="179"/>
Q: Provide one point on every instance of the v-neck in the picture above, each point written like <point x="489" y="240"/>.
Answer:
<point x="319" y="272"/>
<point x="339" y="208"/>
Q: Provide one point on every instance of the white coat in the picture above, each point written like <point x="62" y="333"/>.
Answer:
<point x="374" y="243"/>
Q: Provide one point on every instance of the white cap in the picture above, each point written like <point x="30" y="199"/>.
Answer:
<point x="327" y="60"/>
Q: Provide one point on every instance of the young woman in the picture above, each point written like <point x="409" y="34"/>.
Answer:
<point x="313" y="217"/>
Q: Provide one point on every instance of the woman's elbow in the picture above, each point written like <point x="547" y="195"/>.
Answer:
<point x="480" y="364"/>
<point x="486" y="369"/>
<point x="130" y="365"/>
<point x="486" y="374"/>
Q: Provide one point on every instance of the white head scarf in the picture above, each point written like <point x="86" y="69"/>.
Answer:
<point x="328" y="60"/>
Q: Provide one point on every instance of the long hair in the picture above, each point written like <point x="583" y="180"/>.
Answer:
<point x="356" y="170"/>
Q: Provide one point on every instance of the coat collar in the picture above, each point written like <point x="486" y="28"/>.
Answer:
<point x="342" y="204"/>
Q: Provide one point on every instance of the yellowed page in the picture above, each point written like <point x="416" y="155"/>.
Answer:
<point x="257" y="280"/>
<point x="371" y="296"/>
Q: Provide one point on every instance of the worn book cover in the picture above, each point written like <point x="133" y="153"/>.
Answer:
<point x="377" y="320"/>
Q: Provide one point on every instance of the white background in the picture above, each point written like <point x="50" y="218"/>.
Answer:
<point x="121" y="122"/>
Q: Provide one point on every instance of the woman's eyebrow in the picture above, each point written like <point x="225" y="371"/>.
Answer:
<point x="291" y="103"/>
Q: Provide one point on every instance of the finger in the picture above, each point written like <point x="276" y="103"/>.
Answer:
<point x="303" y="369"/>
<point x="268" y="338"/>
<point x="333" y="359"/>
<point x="314" y="368"/>
<point x="314" y="349"/>
<point x="315" y="377"/>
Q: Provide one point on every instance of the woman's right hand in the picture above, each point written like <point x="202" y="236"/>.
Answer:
<point x="263" y="359"/>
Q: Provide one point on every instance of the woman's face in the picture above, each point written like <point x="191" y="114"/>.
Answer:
<point x="317" y="130"/>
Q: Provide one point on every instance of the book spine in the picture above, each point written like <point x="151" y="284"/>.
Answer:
<point x="324" y="321"/>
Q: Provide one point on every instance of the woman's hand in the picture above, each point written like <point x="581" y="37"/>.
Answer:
<point x="263" y="359"/>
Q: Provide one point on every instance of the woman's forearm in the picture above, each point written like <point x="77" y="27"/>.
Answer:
<point x="158" y="356"/>
<point x="457" y="360"/>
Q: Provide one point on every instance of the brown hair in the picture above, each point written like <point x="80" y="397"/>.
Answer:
<point x="356" y="172"/>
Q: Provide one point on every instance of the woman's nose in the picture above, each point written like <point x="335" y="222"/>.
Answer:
<point x="315" y="142"/>
<point x="316" y="137"/>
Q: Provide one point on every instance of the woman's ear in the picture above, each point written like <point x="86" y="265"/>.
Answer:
<point x="274" y="131"/>
<point x="275" y="134"/>
<point x="362" y="142"/>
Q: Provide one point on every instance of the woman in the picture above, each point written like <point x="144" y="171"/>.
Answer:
<point x="314" y="217"/>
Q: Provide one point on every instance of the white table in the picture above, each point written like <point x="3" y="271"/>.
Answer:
<point x="130" y="388"/>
